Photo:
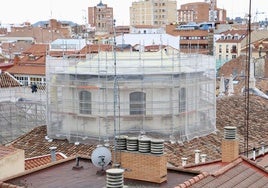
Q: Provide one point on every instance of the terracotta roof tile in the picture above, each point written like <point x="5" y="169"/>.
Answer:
<point x="27" y="70"/>
<point x="6" y="80"/>
<point x="35" y="144"/>
<point x="34" y="162"/>
<point x="242" y="172"/>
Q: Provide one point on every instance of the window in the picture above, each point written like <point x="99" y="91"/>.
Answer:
<point x="220" y="48"/>
<point x="137" y="104"/>
<point x="227" y="48"/>
<point x="84" y="102"/>
<point x="182" y="100"/>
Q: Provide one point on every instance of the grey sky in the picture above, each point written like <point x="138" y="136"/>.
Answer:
<point x="18" y="11"/>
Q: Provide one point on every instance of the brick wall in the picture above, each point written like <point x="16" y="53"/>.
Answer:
<point x="143" y="166"/>
<point x="230" y="150"/>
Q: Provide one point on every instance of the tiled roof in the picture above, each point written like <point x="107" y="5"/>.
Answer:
<point x="239" y="173"/>
<point x="171" y="29"/>
<point x="6" y="80"/>
<point x="230" y="112"/>
<point x="37" y="49"/>
<point x="15" y="47"/>
<point x="40" y="34"/>
<point x="35" y="144"/>
<point x="34" y="162"/>
<point x="27" y="70"/>
<point x="262" y="161"/>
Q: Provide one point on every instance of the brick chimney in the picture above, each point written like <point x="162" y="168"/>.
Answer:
<point x="229" y="145"/>
<point x="148" y="163"/>
<point x="16" y="60"/>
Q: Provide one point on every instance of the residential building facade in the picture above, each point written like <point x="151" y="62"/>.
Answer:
<point x="153" y="12"/>
<point x="200" y="12"/>
<point x="101" y="17"/>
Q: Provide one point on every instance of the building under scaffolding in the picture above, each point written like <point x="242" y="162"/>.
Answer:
<point x="161" y="94"/>
<point x="20" y="109"/>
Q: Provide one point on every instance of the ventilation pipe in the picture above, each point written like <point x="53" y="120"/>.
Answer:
<point x="132" y="144"/>
<point x="197" y="155"/>
<point x="254" y="154"/>
<point x="114" y="178"/>
<point x="53" y="153"/>
<point x="262" y="148"/>
<point x="183" y="161"/>
<point x="157" y="146"/>
<point x="203" y="157"/>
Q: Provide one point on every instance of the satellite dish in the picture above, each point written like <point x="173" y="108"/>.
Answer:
<point x="101" y="157"/>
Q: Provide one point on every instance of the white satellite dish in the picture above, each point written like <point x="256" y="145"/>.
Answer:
<point x="101" y="157"/>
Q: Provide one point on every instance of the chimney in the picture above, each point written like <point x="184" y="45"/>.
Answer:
<point x="53" y="153"/>
<point x="183" y="161"/>
<point x="230" y="145"/>
<point x="16" y="60"/>
<point x="197" y="155"/>
<point x="114" y="177"/>
<point x="203" y="157"/>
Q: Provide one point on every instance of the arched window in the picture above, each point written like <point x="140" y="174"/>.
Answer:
<point x="84" y="102"/>
<point x="137" y="104"/>
<point x="182" y="99"/>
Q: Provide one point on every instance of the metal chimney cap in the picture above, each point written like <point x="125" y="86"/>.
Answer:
<point x="53" y="148"/>
<point x="229" y="127"/>
<point x="115" y="171"/>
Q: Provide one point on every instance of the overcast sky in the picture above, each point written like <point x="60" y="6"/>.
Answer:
<point x="19" y="11"/>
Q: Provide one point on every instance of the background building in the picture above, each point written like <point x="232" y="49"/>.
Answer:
<point x="201" y="12"/>
<point x="153" y="12"/>
<point x="101" y="17"/>
<point x="154" y="93"/>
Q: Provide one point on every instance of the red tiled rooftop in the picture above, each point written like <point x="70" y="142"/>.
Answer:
<point x="6" y="80"/>
<point x="27" y="70"/>
<point x="239" y="173"/>
<point x="34" y="162"/>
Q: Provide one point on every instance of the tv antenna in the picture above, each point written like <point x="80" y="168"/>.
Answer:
<point x="100" y="158"/>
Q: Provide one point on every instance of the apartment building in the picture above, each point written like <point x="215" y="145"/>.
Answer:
<point x="101" y="17"/>
<point x="201" y="12"/>
<point x="153" y="12"/>
<point x="231" y="44"/>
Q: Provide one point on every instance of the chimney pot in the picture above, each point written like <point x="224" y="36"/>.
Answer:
<point x="53" y="153"/>
<point x="197" y="155"/>
<point x="262" y="148"/>
<point x="254" y="154"/>
<point x="183" y="161"/>
<point x="203" y="157"/>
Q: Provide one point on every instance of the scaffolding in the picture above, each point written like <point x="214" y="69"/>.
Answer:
<point x="161" y="94"/>
<point x="20" y="111"/>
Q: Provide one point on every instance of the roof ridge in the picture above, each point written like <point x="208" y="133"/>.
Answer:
<point x="255" y="164"/>
<point x="193" y="180"/>
<point x="228" y="167"/>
